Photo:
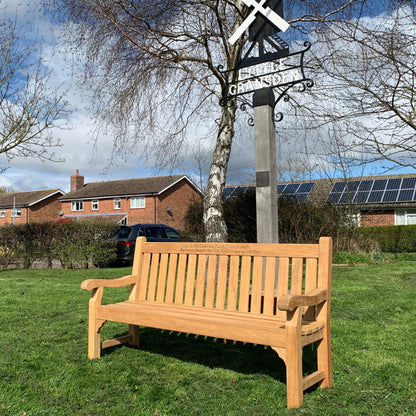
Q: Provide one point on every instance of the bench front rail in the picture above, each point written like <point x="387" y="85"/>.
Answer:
<point x="270" y="294"/>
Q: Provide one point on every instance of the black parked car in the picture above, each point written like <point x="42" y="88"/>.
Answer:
<point x="127" y="234"/>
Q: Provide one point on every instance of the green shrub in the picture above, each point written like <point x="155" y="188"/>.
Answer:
<point x="392" y="239"/>
<point x="73" y="244"/>
<point x="298" y="222"/>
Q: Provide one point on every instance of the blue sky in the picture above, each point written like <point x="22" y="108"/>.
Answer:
<point x="79" y="150"/>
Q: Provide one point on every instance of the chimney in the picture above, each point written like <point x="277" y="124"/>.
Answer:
<point x="77" y="181"/>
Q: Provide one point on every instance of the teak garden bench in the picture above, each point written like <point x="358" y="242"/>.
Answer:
<point x="230" y="291"/>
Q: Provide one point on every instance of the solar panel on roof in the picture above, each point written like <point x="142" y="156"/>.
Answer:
<point x="405" y="195"/>
<point x="390" y="196"/>
<point x="338" y="187"/>
<point x="291" y="188"/>
<point x="361" y="197"/>
<point x="393" y="184"/>
<point x="379" y="184"/>
<point x="374" y="191"/>
<point x="305" y="187"/>
<point x="280" y="188"/>
<point x="365" y="185"/>
<point x="334" y="197"/>
<point x="409" y="183"/>
<point x="375" y="196"/>
<point x="352" y="186"/>
<point x="346" y="198"/>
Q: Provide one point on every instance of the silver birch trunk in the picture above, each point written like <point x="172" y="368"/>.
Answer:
<point x="215" y="227"/>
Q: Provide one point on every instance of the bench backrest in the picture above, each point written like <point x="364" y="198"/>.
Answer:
<point x="244" y="277"/>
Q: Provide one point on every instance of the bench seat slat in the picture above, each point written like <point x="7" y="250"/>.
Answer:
<point x="231" y="325"/>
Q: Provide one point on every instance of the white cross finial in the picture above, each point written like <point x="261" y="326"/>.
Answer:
<point x="267" y="12"/>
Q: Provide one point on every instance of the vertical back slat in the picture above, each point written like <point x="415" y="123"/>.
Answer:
<point x="144" y="276"/>
<point x="310" y="284"/>
<point x="269" y="286"/>
<point x="200" y="280"/>
<point x="211" y="280"/>
<point x="154" y="269"/>
<point x="282" y="282"/>
<point x="180" y="278"/>
<point x="256" y="285"/>
<point x="245" y="275"/>
<point x="190" y="280"/>
<point x="297" y="276"/>
<point x="170" y="285"/>
<point x="222" y="282"/>
<point x="161" y="284"/>
<point x="233" y="283"/>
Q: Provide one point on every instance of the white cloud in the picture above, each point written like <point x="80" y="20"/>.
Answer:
<point x="93" y="159"/>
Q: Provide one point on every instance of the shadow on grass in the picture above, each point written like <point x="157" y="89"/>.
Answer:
<point x="214" y="353"/>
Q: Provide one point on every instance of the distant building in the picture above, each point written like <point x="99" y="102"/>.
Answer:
<point x="30" y="207"/>
<point x="372" y="200"/>
<point x="162" y="199"/>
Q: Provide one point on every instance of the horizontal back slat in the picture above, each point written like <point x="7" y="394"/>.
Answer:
<point x="236" y="249"/>
<point x="236" y="277"/>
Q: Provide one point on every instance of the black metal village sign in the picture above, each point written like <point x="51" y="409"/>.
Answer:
<point x="267" y="62"/>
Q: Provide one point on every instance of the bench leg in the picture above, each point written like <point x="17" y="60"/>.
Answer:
<point x="94" y="325"/>
<point x="325" y="359"/>
<point x="294" y="373"/>
<point x="94" y="338"/>
<point x="134" y="332"/>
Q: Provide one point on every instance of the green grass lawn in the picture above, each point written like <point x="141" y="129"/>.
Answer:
<point x="44" y="369"/>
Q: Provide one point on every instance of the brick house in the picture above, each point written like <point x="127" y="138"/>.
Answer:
<point x="30" y="207"/>
<point x="163" y="199"/>
<point x="371" y="200"/>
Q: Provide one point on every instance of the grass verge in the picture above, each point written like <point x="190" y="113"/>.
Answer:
<point x="44" y="369"/>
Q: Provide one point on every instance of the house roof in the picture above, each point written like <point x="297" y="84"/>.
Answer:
<point x="116" y="218"/>
<point x="127" y="187"/>
<point x="367" y="192"/>
<point x="27" y="199"/>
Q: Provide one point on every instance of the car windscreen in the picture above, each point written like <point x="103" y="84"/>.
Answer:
<point x="123" y="232"/>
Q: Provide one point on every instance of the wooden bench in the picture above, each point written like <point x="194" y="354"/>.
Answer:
<point x="229" y="291"/>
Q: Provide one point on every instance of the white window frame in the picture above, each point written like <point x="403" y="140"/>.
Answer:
<point x="401" y="216"/>
<point x="3" y="213"/>
<point x="138" y="202"/>
<point x="117" y="203"/>
<point x="94" y="205"/>
<point x="16" y="212"/>
<point x="77" y="205"/>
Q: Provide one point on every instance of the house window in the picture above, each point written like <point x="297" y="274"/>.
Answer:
<point x="138" y="202"/>
<point x="117" y="203"/>
<point x="407" y="217"/>
<point x="3" y="213"/>
<point x="95" y="205"/>
<point x="16" y="212"/>
<point x="77" y="205"/>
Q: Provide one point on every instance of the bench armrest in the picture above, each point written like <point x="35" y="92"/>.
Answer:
<point x="91" y="284"/>
<point x="291" y="302"/>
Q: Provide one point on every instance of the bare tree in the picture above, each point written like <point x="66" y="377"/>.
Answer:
<point x="28" y="107"/>
<point x="364" y="103"/>
<point x="153" y="67"/>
